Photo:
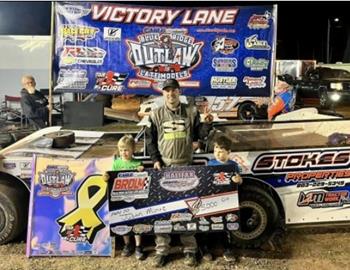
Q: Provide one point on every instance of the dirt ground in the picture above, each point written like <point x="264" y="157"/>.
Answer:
<point x="300" y="251"/>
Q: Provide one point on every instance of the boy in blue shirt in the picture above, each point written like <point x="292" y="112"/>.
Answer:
<point x="222" y="149"/>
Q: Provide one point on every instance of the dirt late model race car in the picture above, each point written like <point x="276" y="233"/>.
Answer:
<point x="295" y="173"/>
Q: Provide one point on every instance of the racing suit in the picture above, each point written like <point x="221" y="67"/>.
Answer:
<point x="169" y="141"/>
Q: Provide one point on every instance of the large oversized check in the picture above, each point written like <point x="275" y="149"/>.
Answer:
<point x="173" y="200"/>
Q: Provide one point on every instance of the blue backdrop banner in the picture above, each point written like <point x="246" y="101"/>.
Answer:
<point x="113" y="48"/>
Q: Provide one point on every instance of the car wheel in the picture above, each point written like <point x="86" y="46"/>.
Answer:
<point x="324" y="100"/>
<point x="247" y="111"/>
<point x="61" y="139"/>
<point x="13" y="213"/>
<point x="259" y="218"/>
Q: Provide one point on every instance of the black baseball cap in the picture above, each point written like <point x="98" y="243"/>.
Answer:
<point x="171" y="83"/>
<point x="286" y="78"/>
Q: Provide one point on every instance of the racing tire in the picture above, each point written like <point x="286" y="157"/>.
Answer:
<point x="61" y="139"/>
<point x="259" y="218"/>
<point x="13" y="212"/>
<point x="247" y="111"/>
<point x="324" y="100"/>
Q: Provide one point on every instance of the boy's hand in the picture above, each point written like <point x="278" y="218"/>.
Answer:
<point x="157" y="165"/>
<point x="140" y="168"/>
<point x="237" y="179"/>
<point x="106" y="177"/>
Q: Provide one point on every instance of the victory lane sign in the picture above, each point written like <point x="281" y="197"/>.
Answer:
<point x="173" y="200"/>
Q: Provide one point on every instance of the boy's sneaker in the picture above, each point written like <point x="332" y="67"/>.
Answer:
<point x="127" y="250"/>
<point x="190" y="259"/>
<point x="159" y="260"/>
<point x="229" y="256"/>
<point x="206" y="255"/>
<point x="139" y="254"/>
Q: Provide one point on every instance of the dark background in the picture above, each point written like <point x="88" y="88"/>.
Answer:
<point x="301" y="26"/>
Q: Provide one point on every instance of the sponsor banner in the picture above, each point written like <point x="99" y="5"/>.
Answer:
<point x="313" y="183"/>
<point x="173" y="200"/>
<point x="65" y="218"/>
<point x="114" y="48"/>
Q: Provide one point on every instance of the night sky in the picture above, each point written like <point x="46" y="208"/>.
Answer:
<point x="301" y="26"/>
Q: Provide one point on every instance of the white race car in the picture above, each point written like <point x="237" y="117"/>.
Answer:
<point x="295" y="173"/>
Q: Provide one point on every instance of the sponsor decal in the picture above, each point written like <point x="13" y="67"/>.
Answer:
<point x="217" y="227"/>
<point x="25" y="165"/>
<point x="177" y="217"/>
<point x="255" y="64"/>
<point x="84" y="219"/>
<point x="255" y="82"/>
<point x="231" y="217"/>
<point x="161" y="226"/>
<point x="321" y="184"/>
<point x="55" y="181"/>
<point x="222" y="178"/>
<point x="112" y="33"/>
<point x="232" y="226"/>
<point x="179" y="180"/>
<point x="162" y="16"/>
<point x="9" y="165"/>
<point x="203" y="228"/>
<point x="110" y="81"/>
<point x="224" y="45"/>
<point x="191" y="226"/>
<point x="323" y="199"/>
<point x="224" y="64"/>
<point x="72" y="79"/>
<point x="179" y="228"/>
<point x="130" y="185"/>
<point x="203" y="221"/>
<point x="317" y="175"/>
<point x="216" y="219"/>
<point x="291" y="161"/>
<point x="79" y="55"/>
<point x="161" y="56"/>
<point x="142" y="228"/>
<point x="121" y="230"/>
<point x="223" y="82"/>
<point x="72" y="12"/>
<point x="77" y="32"/>
<point x="135" y="83"/>
<point x="75" y="233"/>
<point x="257" y="21"/>
<point x="253" y="43"/>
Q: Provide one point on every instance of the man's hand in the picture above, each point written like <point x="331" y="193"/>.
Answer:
<point x="157" y="165"/>
<point x="140" y="168"/>
<point x="208" y="117"/>
<point x="237" y="179"/>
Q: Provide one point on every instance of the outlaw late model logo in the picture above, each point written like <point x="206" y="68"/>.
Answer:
<point x="160" y="56"/>
<point x="55" y="181"/>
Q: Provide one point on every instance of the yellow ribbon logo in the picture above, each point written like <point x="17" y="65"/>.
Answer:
<point x="90" y="197"/>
